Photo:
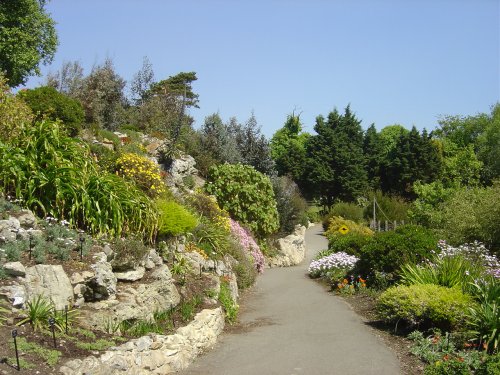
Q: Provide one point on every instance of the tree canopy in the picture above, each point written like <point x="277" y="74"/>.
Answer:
<point x="27" y="39"/>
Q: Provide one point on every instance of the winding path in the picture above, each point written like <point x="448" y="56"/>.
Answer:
<point x="291" y="326"/>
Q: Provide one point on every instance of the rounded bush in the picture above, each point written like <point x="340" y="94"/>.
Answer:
<point x="351" y="243"/>
<point x="174" y="219"/>
<point x="247" y="195"/>
<point x="144" y="172"/>
<point x="388" y="251"/>
<point x="427" y="304"/>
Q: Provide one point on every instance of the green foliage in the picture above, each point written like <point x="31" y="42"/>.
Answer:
<point x="427" y="304"/>
<point x="491" y="366"/>
<point x="334" y="158"/>
<point x="349" y="211"/>
<point x="338" y="226"/>
<point x="473" y="214"/>
<point x="247" y="195"/>
<point x="426" y="209"/>
<point x="388" y="251"/>
<point x="245" y="270"/>
<point x="98" y="344"/>
<point x="448" y="367"/>
<point x="351" y="243"/>
<point x="180" y="267"/>
<point x="14" y="113"/>
<point x="28" y="39"/>
<point x="290" y="204"/>
<point x="138" y="328"/>
<point x="212" y="238"/>
<point x="13" y="250"/>
<point x="174" y="219"/>
<point x="187" y="309"/>
<point x="38" y="311"/>
<point x="230" y="307"/>
<point x="47" y="101"/>
<point x="288" y="148"/>
<point x="50" y="356"/>
<point x="388" y="207"/>
<point x="106" y="158"/>
<point x="448" y="271"/>
<point x="54" y="175"/>
<point x="485" y="317"/>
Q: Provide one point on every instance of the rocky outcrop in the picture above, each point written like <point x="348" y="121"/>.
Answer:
<point x="291" y="249"/>
<point x="50" y="281"/>
<point x="134" y="302"/>
<point x="155" y="354"/>
<point x="9" y="229"/>
<point x="103" y="284"/>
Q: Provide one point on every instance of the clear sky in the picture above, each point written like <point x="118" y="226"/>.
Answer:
<point x="394" y="61"/>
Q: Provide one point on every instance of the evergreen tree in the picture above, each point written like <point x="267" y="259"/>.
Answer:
<point x="373" y="150"/>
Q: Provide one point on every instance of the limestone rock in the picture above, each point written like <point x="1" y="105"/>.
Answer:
<point x="14" y="293"/>
<point x="14" y="269"/>
<point x="132" y="275"/>
<point x="292" y="249"/>
<point x="27" y="219"/>
<point x="50" y="281"/>
<point x="9" y="229"/>
<point x="103" y="283"/>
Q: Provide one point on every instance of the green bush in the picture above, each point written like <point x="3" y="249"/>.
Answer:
<point x="491" y="366"/>
<point x="174" y="219"/>
<point x="15" y="114"/>
<point x="349" y="211"/>
<point x="388" y="251"/>
<point x="47" y="101"/>
<point x="389" y="207"/>
<point x="427" y="304"/>
<point x="212" y="238"/>
<point x="351" y="243"/>
<point x="290" y="204"/>
<point x="106" y="158"/>
<point x="247" y="195"/>
<point x="245" y="270"/>
<point x="448" y="367"/>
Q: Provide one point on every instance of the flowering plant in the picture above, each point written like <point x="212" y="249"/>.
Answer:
<point x="144" y="172"/>
<point x="334" y="263"/>
<point x="475" y="252"/>
<point x="248" y="243"/>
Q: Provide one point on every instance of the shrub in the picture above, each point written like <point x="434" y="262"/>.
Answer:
<point x="227" y="302"/>
<point x="392" y="207"/>
<point x="105" y="158"/>
<point x="174" y="219"/>
<point x="144" y="172"/>
<point x="290" y="204"/>
<point x="447" y="366"/>
<point x="248" y="244"/>
<point x="247" y="195"/>
<point x="47" y="101"/>
<point x="336" y="225"/>
<point x="207" y="206"/>
<point x="212" y="238"/>
<point x="349" y="211"/>
<point x="38" y="311"/>
<point x="426" y="304"/>
<point x="388" y="251"/>
<point x="351" y="243"/>
<point x="128" y="253"/>
<point x="245" y="270"/>
<point x="14" y="113"/>
<point x="490" y="366"/>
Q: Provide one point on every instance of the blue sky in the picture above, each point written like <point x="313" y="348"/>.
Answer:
<point x="394" y="61"/>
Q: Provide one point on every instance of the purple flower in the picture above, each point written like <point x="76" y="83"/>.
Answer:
<point x="248" y="244"/>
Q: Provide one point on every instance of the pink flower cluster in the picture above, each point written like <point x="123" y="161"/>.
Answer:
<point x="249" y="244"/>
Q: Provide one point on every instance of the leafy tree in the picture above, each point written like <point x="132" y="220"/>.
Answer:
<point x="14" y="113"/>
<point x="462" y="131"/>
<point x="247" y="195"/>
<point x="47" y="101"/>
<point x="218" y="142"/>
<point x="488" y="144"/>
<point x="68" y="80"/>
<point x="290" y="204"/>
<point x="390" y="135"/>
<point x="461" y="166"/>
<point x="102" y="96"/>
<point x="288" y="148"/>
<point x="27" y="38"/>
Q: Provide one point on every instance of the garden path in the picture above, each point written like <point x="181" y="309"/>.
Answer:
<point x="291" y="326"/>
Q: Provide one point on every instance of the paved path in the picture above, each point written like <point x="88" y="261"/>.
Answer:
<point x="291" y="326"/>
